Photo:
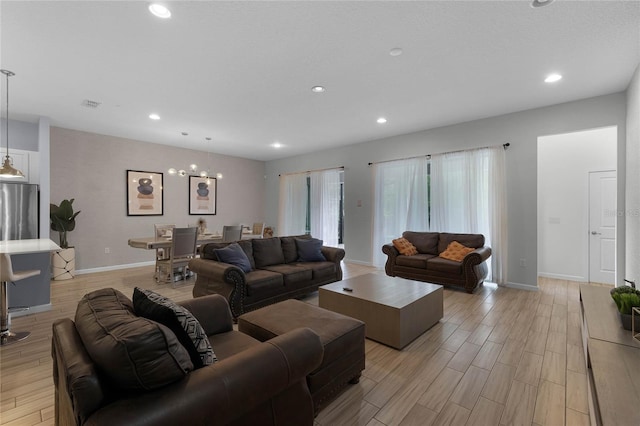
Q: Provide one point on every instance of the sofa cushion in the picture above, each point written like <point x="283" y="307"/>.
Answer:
<point x="415" y="261"/>
<point x="293" y="275"/>
<point x="456" y="252"/>
<point x="184" y="325"/>
<point x="469" y="240"/>
<point x="262" y="283"/>
<point x="135" y="353"/>
<point x="321" y="271"/>
<point x="439" y="264"/>
<point x="309" y="250"/>
<point x="404" y="246"/>
<point x="267" y="251"/>
<point x="425" y="242"/>
<point x="231" y="342"/>
<point x="289" y="248"/>
<point x="247" y="246"/>
<point x="234" y="255"/>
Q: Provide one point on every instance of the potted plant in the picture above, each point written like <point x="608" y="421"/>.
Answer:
<point x="63" y="220"/>
<point x="626" y="298"/>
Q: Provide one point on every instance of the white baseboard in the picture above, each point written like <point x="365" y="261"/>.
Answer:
<point x="32" y="310"/>
<point x="563" y="277"/>
<point x="358" y="262"/>
<point x="521" y="286"/>
<point x="115" y="267"/>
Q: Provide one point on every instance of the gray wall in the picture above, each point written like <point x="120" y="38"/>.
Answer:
<point x="632" y="210"/>
<point x="521" y="129"/>
<point x="91" y="168"/>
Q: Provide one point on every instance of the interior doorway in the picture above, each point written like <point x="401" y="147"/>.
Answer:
<point x="567" y="163"/>
<point x="602" y="226"/>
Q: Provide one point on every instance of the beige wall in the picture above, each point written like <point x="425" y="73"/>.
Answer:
<point x="91" y="168"/>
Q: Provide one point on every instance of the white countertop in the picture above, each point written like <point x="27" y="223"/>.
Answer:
<point x="28" y="246"/>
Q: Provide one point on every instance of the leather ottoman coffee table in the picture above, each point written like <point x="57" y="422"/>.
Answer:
<point x="395" y="310"/>
<point x="341" y="336"/>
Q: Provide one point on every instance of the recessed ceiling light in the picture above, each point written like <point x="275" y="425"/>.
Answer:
<point x="159" y="10"/>
<point x="552" y="78"/>
<point x="396" y="51"/>
<point x="318" y="89"/>
<point x="541" y="3"/>
<point x="381" y="120"/>
<point x="276" y="145"/>
<point x="154" y="116"/>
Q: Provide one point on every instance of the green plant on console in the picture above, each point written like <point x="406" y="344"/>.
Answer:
<point x="625" y="298"/>
<point x="63" y="220"/>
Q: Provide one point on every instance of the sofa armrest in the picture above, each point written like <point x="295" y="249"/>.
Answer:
<point x="223" y="392"/>
<point x="332" y="254"/>
<point x="220" y="278"/>
<point x="212" y="312"/>
<point x="477" y="256"/>
<point x="392" y="252"/>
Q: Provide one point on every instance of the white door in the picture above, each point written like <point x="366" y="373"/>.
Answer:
<point x="602" y="227"/>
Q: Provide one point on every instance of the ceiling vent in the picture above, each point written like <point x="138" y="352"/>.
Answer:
<point x="90" y="104"/>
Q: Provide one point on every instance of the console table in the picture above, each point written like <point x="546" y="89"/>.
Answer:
<point x="613" y="360"/>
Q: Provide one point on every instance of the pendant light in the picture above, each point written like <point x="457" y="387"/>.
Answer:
<point x="7" y="170"/>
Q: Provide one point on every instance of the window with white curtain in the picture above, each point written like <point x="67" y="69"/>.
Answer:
<point x="310" y="202"/>
<point x="465" y="192"/>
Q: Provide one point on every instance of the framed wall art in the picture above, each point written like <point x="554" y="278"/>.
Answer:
<point x="202" y="195"/>
<point x="144" y="193"/>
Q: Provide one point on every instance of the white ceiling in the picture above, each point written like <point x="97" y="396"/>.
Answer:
<point x="241" y="72"/>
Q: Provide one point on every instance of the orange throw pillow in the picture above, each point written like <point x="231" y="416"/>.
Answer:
<point x="456" y="252"/>
<point x="405" y="247"/>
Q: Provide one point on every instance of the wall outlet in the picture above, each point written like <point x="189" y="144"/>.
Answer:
<point x="107" y="250"/>
<point x="523" y="263"/>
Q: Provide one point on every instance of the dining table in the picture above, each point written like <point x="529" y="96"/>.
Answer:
<point x="151" y="243"/>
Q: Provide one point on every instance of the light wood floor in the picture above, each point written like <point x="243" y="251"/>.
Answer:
<point x="499" y="356"/>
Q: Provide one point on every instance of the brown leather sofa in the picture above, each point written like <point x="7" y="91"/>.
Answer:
<point x="252" y="383"/>
<point x="428" y="266"/>
<point x="276" y="274"/>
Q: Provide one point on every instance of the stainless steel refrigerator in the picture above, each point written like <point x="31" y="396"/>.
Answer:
<point x="18" y="211"/>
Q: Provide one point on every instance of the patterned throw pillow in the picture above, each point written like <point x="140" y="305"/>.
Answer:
<point x="456" y="252"/>
<point x="404" y="246"/>
<point x="186" y="327"/>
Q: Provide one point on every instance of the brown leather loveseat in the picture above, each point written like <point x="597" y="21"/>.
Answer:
<point x="428" y="266"/>
<point x="276" y="272"/>
<point x="251" y="383"/>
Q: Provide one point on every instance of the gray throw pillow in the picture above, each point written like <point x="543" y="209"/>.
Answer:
<point x="309" y="250"/>
<point x="234" y="255"/>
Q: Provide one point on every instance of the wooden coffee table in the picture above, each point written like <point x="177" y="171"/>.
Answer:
<point x="394" y="310"/>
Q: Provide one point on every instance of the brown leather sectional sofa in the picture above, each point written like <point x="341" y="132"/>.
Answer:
<point x="252" y="383"/>
<point x="428" y="266"/>
<point x="276" y="274"/>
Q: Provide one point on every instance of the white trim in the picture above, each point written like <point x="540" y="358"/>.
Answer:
<point x="32" y="310"/>
<point x="358" y="262"/>
<point x="115" y="267"/>
<point x="563" y="277"/>
<point x="520" y="286"/>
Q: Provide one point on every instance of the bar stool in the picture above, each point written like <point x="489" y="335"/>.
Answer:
<point x="7" y="275"/>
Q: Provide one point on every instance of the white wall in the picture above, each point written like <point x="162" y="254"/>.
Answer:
<point x="521" y="129"/>
<point x="92" y="169"/>
<point x="564" y="163"/>
<point x="632" y="208"/>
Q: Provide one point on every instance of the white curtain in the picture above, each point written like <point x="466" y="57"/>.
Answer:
<point x="325" y="205"/>
<point x="468" y="195"/>
<point x="293" y="204"/>
<point x="401" y="202"/>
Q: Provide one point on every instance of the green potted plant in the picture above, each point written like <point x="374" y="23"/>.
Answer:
<point x="63" y="221"/>
<point x="626" y="298"/>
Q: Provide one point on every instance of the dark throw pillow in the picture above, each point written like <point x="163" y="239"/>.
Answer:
<point x="184" y="325"/>
<point x="309" y="250"/>
<point x="234" y="255"/>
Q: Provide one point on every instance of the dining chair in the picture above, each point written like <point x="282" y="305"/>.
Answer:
<point x="162" y="231"/>
<point x="258" y="229"/>
<point x="183" y="249"/>
<point x="231" y="233"/>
